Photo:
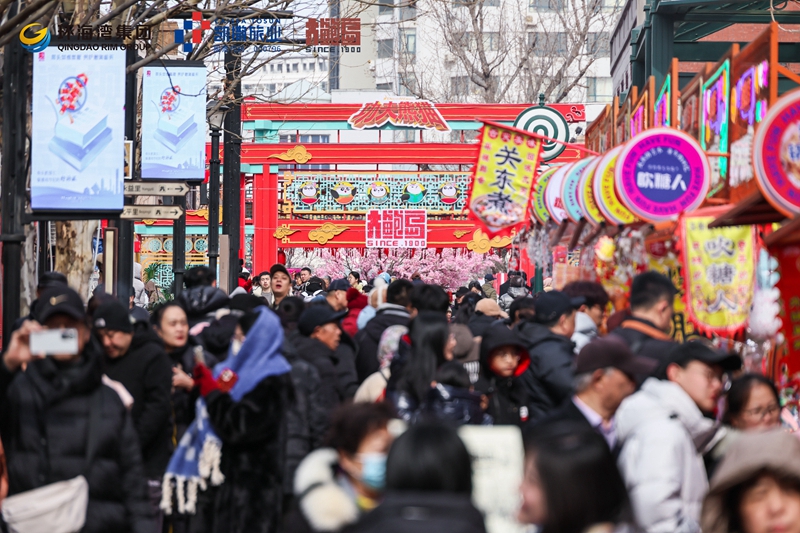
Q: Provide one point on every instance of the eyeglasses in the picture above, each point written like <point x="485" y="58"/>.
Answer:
<point x="758" y="413"/>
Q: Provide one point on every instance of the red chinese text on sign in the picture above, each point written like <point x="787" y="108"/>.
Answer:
<point x="397" y="228"/>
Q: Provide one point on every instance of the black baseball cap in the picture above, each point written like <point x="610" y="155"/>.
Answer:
<point x="50" y="279"/>
<point x="59" y="300"/>
<point x="461" y="292"/>
<point x="338" y="285"/>
<point x="613" y="352"/>
<point x="277" y="267"/>
<point x="114" y="316"/>
<point x="551" y="305"/>
<point x="318" y="315"/>
<point x="683" y="354"/>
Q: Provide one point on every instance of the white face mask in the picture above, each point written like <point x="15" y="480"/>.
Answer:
<point x="236" y="345"/>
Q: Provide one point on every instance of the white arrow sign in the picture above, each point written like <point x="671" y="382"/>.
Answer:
<point x="154" y="212"/>
<point x="155" y="188"/>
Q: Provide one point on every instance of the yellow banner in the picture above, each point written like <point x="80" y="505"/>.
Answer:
<point x="503" y="177"/>
<point x="719" y="273"/>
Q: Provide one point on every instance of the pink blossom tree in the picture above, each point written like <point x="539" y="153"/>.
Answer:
<point x="452" y="268"/>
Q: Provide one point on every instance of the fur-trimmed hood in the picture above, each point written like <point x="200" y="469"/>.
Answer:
<point x="324" y="503"/>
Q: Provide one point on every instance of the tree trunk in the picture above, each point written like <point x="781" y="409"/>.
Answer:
<point x="74" y="253"/>
<point x="27" y="292"/>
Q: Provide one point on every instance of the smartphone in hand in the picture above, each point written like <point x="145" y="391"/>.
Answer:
<point x="54" y="342"/>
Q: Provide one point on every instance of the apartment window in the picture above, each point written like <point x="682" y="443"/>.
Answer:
<point x="272" y="68"/>
<point x="491" y="41"/>
<point x="406" y="136"/>
<point x="305" y="66"/>
<point x="324" y="86"/>
<point x="386" y="7"/>
<point x="459" y="85"/>
<point x="280" y="67"/>
<point x="546" y="5"/>
<point x="312" y="66"/>
<point x="304" y="139"/>
<point x="408" y="10"/>
<point x="407" y="85"/>
<point x="409" y="40"/>
<point x="599" y="89"/>
<point x="598" y="44"/>
<point x="385" y="48"/>
<point x="295" y="67"/>
<point x="271" y="88"/>
<point x="383" y="86"/>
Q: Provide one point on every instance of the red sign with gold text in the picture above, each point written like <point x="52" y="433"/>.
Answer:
<point x="397" y="228"/>
<point x="411" y="114"/>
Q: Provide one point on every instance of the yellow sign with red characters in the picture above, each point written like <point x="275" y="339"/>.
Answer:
<point x="503" y="177"/>
<point x="719" y="272"/>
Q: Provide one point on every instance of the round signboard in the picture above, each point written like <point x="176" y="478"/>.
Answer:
<point x="776" y="154"/>
<point x="661" y="173"/>
<point x="570" y="191"/>
<point x="539" y="187"/>
<point x="586" y="194"/>
<point x="548" y="122"/>
<point x="552" y="195"/>
<point x="604" y="194"/>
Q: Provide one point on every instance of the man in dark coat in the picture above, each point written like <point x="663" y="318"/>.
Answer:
<point x="547" y="339"/>
<point x="316" y="341"/>
<point x="135" y="357"/>
<point x="647" y="330"/>
<point x="347" y="351"/>
<point x="45" y="415"/>
<point x="605" y="371"/>
<point x="395" y="312"/>
<point x="201" y="297"/>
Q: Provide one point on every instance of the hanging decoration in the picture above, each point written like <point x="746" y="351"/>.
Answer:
<point x="604" y="194"/>
<point x="538" y="205"/>
<point x="719" y="272"/>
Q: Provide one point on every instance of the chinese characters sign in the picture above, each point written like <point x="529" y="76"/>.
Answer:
<point x="604" y="194"/>
<point x="714" y="123"/>
<point x="503" y="178"/>
<point x="235" y="35"/>
<point x="776" y="155"/>
<point x="410" y="114"/>
<point x="333" y="32"/>
<point x="789" y="285"/>
<point x="77" y="147"/>
<point x="397" y="228"/>
<point x="719" y="273"/>
<point x="173" y="114"/>
<point x="661" y="174"/>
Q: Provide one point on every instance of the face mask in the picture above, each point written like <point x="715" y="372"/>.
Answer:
<point x="373" y="471"/>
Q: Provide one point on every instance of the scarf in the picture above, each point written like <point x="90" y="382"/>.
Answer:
<point x="196" y="460"/>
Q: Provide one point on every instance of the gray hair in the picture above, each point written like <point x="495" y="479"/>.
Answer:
<point x="582" y="381"/>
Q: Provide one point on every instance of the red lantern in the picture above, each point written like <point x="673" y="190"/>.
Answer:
<point x="281" y="257"/>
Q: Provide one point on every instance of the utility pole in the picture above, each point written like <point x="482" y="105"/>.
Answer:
<point x="126" y="228"/>
<point x="179" y="247"/>
<point x="12" y="182"/>
<point x="231" y="180"/>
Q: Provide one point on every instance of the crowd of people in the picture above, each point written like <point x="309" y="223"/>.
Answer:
<point x="310" y="404"/>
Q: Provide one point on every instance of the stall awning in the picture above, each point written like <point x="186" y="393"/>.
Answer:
<point x="752" y="210"/>
<point x="786" y="235"/>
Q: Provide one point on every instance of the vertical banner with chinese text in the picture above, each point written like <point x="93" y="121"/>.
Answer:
<point x="503" y="176"/>
<point x="719" y="272"/>
<point x="789" y="285"/>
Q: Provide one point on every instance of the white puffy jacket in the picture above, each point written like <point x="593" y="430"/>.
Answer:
<point x="663" y="436"/>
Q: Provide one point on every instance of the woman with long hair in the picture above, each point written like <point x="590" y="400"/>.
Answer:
<point x="413" y="371"/>
<point x="571" y="483"/>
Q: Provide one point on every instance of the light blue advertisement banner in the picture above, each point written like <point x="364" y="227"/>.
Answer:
<point x="78" y="129"/>
<point x="173" y="123"/>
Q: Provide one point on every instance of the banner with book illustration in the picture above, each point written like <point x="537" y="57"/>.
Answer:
<point x="719" y="272"/>
<point x="78" y="130"/>
<point x="173" y="122"/>
<point x="503" y="177"/>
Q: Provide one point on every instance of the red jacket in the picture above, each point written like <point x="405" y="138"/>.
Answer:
<point x="355" y="303"/>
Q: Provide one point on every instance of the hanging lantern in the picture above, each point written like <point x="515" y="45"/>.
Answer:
<point x="281" y="257"/>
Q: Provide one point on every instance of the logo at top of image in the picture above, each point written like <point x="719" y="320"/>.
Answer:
<point x="189" y="29"/>
<point x="34" y="40"/>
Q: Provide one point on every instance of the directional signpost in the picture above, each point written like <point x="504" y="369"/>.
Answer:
<point x="152" y="212"/>
<point x="155" y="188"/>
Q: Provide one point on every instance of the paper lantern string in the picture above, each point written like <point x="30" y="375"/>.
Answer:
<point x="70" y="92"/>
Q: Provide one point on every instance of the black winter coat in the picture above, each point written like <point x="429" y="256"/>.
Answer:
<point x="508" y="399"/>
<point x="147" y="374"/>
<point x="479" y="323"/>
<point x="44" y="425"/>
<point x="200" y="302"/>
<point x="307" y="417"/>
<point x="253" y="434"/>
<point x="346" y="374"/>
<point x="422" y="512"/>
<point x="183" y="401"/>
<point x="324" y="360"/>
<point x="454" y="405"/>
<point x="369" y="337"/>
<point x="548" y="380"/>
<point x="643" y="344"/>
